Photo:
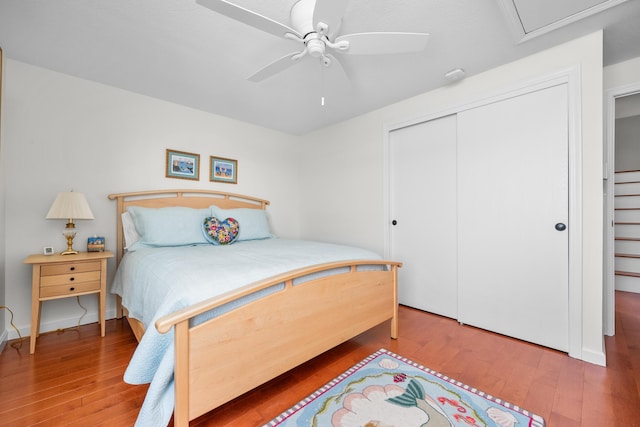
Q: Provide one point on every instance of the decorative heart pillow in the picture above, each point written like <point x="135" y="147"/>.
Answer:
<point x="221" y="232"/>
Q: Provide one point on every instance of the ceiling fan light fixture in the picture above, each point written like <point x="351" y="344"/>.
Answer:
<point x="315" y="48"/>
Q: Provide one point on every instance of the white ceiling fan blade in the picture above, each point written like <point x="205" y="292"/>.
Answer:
<point x="383" y="43"/>
<point x="338" y="69"/>
<point x="329" y="12"/>
<point x="248" y="17"/>
<point x="275" y="67"/>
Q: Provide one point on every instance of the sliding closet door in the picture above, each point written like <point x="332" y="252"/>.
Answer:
<point x="512" y="217"/>
<point x="423" y="209"/>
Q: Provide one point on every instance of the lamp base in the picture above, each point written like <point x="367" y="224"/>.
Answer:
<point x="69" y="233"/>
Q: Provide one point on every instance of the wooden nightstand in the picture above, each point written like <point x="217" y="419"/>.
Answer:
<point x="63" y="276"/>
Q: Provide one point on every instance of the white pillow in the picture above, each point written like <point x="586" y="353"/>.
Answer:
<point x="131" y="236"/>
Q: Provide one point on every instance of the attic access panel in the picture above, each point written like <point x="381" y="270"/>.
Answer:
<point x="531" y="18"/>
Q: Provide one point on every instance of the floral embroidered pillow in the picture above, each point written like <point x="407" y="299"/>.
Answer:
<point x="221" y="232"/>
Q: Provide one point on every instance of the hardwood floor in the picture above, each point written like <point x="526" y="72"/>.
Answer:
<point x="75" y="377"/>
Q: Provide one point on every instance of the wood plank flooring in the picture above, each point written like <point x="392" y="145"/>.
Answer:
<point x="75" y="377"/>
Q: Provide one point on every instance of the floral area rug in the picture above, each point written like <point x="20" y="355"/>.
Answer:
<point x="387" y="390"/>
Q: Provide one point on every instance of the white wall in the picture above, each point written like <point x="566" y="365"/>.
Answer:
<point x="627" y="144"/>
<point x="62" y="133"/>
<point x="343" y="165"/>
<point x="3" y="333"/>
<point x="621" y="74"/>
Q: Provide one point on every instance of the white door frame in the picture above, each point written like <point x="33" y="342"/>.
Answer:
<point x="570" y="76"/>
<point x="609" y="297"/>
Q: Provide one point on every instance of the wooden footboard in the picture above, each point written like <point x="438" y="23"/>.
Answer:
<point x="235" y="352"/>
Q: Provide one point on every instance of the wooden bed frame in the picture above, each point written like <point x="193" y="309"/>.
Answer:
<point x="258" y="341"/>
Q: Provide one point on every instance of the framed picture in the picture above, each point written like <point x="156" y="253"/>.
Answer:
<point x="182" y="165"/>
<point x="224" y="170"/>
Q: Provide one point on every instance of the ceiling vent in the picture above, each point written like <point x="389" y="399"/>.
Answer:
<point x="532" y="18"/>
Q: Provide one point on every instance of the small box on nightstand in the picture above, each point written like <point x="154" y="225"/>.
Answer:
<point x="95" y="244"/>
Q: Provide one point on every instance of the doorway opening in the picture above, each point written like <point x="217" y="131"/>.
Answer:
<point x="621" y="197"/>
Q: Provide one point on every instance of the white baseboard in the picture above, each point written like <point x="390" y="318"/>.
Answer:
<point x="70" y="322"/>
<point x="628" y="284"/>
<point x="595" y="357"/>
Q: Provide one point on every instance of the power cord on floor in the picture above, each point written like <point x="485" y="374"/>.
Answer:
<point x="77" y="327"/>
<point x="15" y="344"/>
<point x="18" y="344"/>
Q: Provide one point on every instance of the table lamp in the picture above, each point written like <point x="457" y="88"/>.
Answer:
<point x="70" y="205"/>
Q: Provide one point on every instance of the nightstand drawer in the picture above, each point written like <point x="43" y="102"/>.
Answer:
<point x="69" y="289"/>
<point x="69" y="279"/>
<point x="69" y="267"/>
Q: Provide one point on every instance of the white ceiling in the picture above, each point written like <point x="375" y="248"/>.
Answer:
<point x="182" y="52"/>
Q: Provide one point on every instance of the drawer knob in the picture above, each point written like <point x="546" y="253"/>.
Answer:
<point x="72" y="289"/>
<point x="72" y="269"/>
<point x="72" y="279"/>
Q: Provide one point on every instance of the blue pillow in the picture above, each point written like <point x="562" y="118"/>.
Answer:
<point x="254" y="224"/>
<point x="171" y="226"/>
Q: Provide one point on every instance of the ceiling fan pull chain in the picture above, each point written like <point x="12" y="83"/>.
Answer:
<point x="322" y="82"/>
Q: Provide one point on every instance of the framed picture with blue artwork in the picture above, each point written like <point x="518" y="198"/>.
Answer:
<point x="182" y="165"/>
<point x="224" y="170"/>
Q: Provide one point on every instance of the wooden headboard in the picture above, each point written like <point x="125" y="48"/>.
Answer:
<point x="187" y="198"/>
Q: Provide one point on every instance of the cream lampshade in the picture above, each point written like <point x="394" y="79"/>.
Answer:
<point x="70" y="205"/>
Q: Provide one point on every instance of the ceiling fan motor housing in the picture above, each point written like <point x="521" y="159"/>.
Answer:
<point x="315" y="47"/>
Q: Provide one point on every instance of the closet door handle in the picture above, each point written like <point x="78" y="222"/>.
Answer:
<point x="394" y="222"/>
<point x="561" y="227"/>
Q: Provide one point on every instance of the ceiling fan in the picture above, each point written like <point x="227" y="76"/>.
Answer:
<point x="315" y="24"/>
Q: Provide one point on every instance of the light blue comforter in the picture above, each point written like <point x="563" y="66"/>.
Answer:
<point x="154" y="282"/>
